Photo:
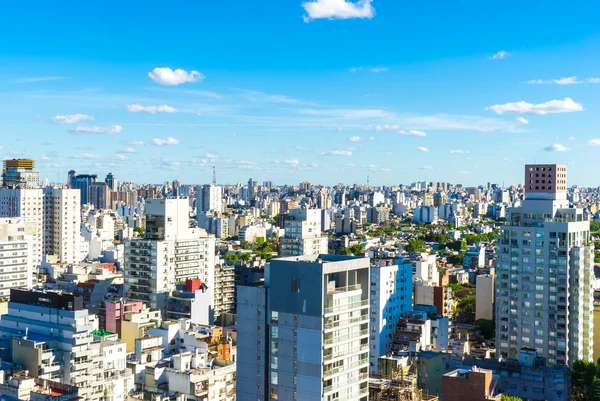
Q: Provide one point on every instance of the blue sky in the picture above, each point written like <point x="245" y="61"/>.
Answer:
<point x="326" y="91"/>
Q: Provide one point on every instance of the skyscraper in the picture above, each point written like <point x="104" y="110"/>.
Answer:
<point x="304" y="334"/>
<point x="544" y="294"/>
<point x="100" y="195"/>
<point x="111" y="181"/>
<point x="210" y="199"/>
<point x="20" y="173"/>
<point x="83" y="183"/>
<point x="62" y="221"/>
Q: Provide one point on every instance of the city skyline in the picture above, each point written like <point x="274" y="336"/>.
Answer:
<point x="396" y="92"/>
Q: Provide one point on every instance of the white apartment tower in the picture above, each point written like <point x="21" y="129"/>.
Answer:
<point x="28" y="204"/>
<point x="303" y="234"/>
<point x="304" y="334"/>
<point x="210" y="198"/>
<point x="171" y="252"/>
<point x="544" y="294"/>
<point x="62" y="224"/>
<point x="16" y="258"/>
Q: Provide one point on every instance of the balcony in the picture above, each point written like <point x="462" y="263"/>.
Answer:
<point x="341" y="290"/>
<point x="348" y="337"/>
<point x="339" y="369"/>
<point x="347" y="322"/>
<point x="343" y="308"/>
<point x="346" y="353"/>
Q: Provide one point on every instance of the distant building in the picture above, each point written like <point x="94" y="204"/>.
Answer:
<point x="303" y="234"/>
<point x="20" y="173"/>
<point x="83" y="182"/>
<point x="16" y="253"/>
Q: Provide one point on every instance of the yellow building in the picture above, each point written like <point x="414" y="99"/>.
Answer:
<point x="136" y="325"/>
<point x="596" y="330"/>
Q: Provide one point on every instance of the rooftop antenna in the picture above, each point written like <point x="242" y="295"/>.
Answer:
<point x="215" y="175"/>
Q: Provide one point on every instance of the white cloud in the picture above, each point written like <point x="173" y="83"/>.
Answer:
<point x="462" y="172"/>
<point x="412" y="132"/>
<point x="337" y="9"/>
<point x="121" y="157"/>
<point x="164" y="142"/>
<point x="86" y="156"/>
<point x="136" y="143"/>
<point x="566" y="105"/>
<point x="71" y="119"/>
<point x="459" y="152"/>
<point x="381" y="127"/>
<point x="556" y="147"/>
<point x="354" y="138"/>
<point x="522" y="120"/>
<point x="113" y="129"/>
<point x="594" y="142"/>
<point x="426" y="168"/>
<point x="500" y="55"/>
<point x="138" y="108"/>
<point x="594" y="80"/>
<point x="338" y="152"/>
<point x="422" y="149"/>
<point x="389" y="153"/>
<point x="37" y="79"/>
<point x="168" y="77"/>
<point x="130" y="150"/>
<point x="561" y="81"/>
<point x="379" y="69"/>
<point x="292" y="162"/>
<point x="211" y="156"/>
<point x="257" y="96"/>
<point x="571" y="138"/>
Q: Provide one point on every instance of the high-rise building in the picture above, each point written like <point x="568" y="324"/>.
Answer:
<point x="28" y="204"/>
<point x="303" y="234"/>
<point x="484" y="297"/>
<point x="210" y="199"/>
<point x="304" y="333"/>
<point x="20" y="173"/>
<point x="171" y="253"/>
<point x="544" y="293"/>
<point x="83" y="182"/>
<point x="16" y="245"/>
<point x="391" y="298"/>
<point x="111" y="181"/>
<point x="100" y="195"/>
<point x="62" y="224"/>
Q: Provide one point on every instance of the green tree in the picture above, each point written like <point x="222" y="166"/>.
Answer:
<point x="456" y="259"/>
<point x="356" y="249"/>
<point x="487" y="327"/>
<point x="509" y="398"/>
<point x="465" y="310"/>
<point x="139" y="230"/>
<point x="415" y="245"/>
<point x="231" y="258"/>
<point x="585" y="379"/>
<point x="458" y="245"/>
<point x="594" y="226"/>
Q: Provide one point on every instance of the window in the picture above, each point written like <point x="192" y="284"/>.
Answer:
<point x="295" y="285"/>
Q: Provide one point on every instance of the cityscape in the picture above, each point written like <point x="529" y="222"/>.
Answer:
<point x="336" y="200"/>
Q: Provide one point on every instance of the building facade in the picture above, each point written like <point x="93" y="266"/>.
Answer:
<point x="304" y="334"/>
<point x="544" y="296"/>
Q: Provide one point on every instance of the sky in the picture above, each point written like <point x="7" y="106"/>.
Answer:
<point x="325" y="91"/>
